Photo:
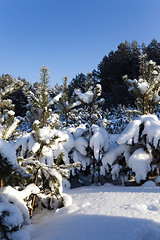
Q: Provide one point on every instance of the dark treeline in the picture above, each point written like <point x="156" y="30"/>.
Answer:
<point x="109" y="73"/>
<point x="124" y="61"/>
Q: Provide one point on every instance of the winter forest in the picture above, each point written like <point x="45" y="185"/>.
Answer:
<point x="101" y="129"/>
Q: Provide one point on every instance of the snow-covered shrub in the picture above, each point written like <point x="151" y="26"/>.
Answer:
<point x="90" y="144"/>
<point x="99" y="145"/>
<point x="9" y="167"/>
<point x="79" y="151"/>
<point x="19" y="198"/>
<point x="113" y="162"/>
<point x="137" y="150"/>
<point x="10" y="219"/>
<point x="14" y="212"/>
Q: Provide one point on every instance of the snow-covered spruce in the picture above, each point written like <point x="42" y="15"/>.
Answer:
<point x="45" y="153"/>
<point x="147" y="86"/>
<point x="9" y="166"/>
<point x="14" y="212"/>
<point x="39" y="99"/>
<point x="90" y="100"/>
<point x="65" y="106"/>
<point x="90" y="145"/>
<point x="136" y="153"/>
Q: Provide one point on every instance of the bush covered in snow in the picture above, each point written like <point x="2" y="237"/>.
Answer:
<point x="136" y="151"/>
<point x="14" y="213"/>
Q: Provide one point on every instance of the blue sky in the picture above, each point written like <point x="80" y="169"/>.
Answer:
<point x="70" y="36"/>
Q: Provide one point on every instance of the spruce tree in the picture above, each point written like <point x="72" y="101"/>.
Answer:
<point x="8" y="124"/>
<point x="147" y="87"/>
<point x="65" y="105"/>
<point x="36" y="149"/>
<point x="39" y="100"/>
<point x="90" y="99"/>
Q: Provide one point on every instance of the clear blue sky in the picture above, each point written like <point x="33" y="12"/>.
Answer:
<point x="70" y="36"/>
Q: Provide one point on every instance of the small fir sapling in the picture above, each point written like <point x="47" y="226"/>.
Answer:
<point x="40" y="153"/>
<point x="114" y="164"/>
<point x="8" y="126"/>
<point x="42" y="135"/>
<point x="64" y="105"/>
<point x="90" y="99"/>
<point x="99" y="143"/>
<point x="147" y="87"/>
<point x="39" y="100"/>
<point x="45" y="153"/>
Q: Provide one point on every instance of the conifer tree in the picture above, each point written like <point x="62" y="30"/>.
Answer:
<point x="90" y="99"/>
<point x="36" y="151"/>
<point x="147" y="87"/>
<point x="90" y="102"/>
<point x="8" y="123"/>
<point x="65" y="105"/>
<point x="36" y="148"/>
<point x="39" y="100"/>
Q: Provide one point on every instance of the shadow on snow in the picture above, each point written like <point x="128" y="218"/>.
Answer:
<point x="96" y="227"/>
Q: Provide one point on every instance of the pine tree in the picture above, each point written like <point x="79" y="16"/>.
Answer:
<point x="90" y="102"/>
<point x="39" y="154"/>
<point x="78" y="82"/>
<point x="36" y="149"/>
<point x="65" y="105"/>
<point x="90" y="99"/>
<point x="8" y="124"/>
<point x="111" y="69"/>
<point x="147" y="87"/>
<point x="152" y="51"/>
<point x="39" y="100"/>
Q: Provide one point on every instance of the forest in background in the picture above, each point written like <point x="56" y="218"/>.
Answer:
<point x="109" y="73"/>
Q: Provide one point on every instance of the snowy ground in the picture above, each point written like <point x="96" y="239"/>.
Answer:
<point x="103" y="213"/>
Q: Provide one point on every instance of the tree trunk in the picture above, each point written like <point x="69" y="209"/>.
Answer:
<point x="44" y="117"/>
<point x="35" y="182"/>
<point x="67" y="116"/>
<point x="150" y="108"/>
<point x="34" y="197"/>
<point x="1" y="183"/>
<point x="90" y="114"/>
<point x="94" y="165"/>
<point x="144" y="105"/>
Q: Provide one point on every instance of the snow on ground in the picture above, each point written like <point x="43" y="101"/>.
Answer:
<point x="103" y="213"/>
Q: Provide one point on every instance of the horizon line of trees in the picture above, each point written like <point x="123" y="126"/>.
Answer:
<point x="110" y="71"/>
<point x="124" y="61"/>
